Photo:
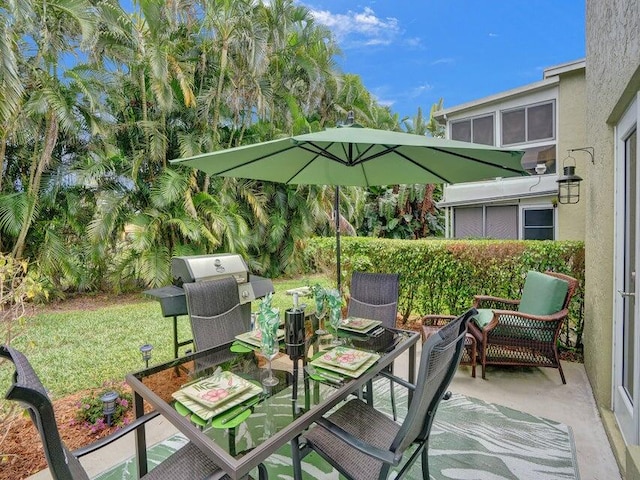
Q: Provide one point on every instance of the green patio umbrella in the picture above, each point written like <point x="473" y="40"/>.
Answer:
<point x="357" y="156"/>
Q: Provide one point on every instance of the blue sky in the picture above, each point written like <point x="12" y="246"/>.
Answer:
<point x="411" y="53"/>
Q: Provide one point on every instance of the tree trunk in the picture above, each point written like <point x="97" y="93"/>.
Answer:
<point x="50" y="140"/>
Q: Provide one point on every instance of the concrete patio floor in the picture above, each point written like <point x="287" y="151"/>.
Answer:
<point x="535" y="391"/>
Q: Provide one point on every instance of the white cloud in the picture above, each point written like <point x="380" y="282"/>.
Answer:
<point x="494" y="35"/>
<point x="360" y="28"/>
<point x="443" y="61"/>
<point x="420" y="89"/>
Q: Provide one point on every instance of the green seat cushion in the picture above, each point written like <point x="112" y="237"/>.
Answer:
<point x="542" y="294"/>
<point x="483" y="317"/>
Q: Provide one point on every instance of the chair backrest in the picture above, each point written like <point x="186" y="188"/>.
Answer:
<point x="374" y="296"/>
<point x="29" y="391"/>
<point x="439" y="361"/>
<point x="215" y="312"/>
<point x="546" y="293"/>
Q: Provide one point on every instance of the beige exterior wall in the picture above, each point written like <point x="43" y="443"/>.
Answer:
<point x="571" y="110"/>
<point x="613" y="76"/>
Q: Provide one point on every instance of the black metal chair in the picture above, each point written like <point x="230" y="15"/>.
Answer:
<point x="216" y="314"/>
<point x="375" y="296"/>
<point x="363" y="443"/>
<point x="188" y="463"/>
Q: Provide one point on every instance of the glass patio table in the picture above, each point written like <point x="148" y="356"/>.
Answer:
<point x="275" y="415"/>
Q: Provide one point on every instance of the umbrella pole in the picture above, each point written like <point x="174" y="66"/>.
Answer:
<point x="337" y="217"/>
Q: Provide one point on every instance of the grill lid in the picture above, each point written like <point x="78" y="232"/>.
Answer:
<point x="198" y="268"/>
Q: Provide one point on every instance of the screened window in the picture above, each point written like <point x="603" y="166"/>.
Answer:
<point x="528" y="124"/>
<point x="476" y="130"/>
<point x="538" y="224"/>
<point x="500" y="221"/>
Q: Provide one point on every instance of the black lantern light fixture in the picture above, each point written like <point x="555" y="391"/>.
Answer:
<point x="569" y="182"/>
<point x="145" y="350"/>
<point x="109" y="405"/>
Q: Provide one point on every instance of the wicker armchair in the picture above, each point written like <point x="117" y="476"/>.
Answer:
<point x="363" y="443"/>
<point x="524" y="332"/>
<point x="432" y="323"/>
<point x="188" y="463"/>
<point x="375" y="296"/>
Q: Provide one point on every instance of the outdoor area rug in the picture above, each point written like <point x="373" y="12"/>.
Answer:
<point x="470" y="440"/>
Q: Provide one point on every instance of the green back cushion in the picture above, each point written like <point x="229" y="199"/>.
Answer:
<point x="542" y="294"/>
<point x="483" y="317"/>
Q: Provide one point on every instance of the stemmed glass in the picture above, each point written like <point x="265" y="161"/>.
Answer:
<point x="321" y="311"/>
<point x="334" y="302"/>
<point x="269" y="345"/>
<point x="269" y="352"/>
<point x="335" y="318"/>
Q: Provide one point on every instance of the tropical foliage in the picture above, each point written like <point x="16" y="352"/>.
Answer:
<point x="94" y="101"/>
<point x="460" y="269"/>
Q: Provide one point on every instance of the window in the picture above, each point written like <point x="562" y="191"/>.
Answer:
<point x="538" y="224"/>
<point x="536" y="155"/>
<point x="476" y="130"/>
<point x="528" y="124"/>
<point x="502" y="222"/>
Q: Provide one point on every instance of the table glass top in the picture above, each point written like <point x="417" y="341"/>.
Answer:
<point x="240" y="413"/>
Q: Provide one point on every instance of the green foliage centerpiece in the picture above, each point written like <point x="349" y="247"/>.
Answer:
<point x="269" y="320"/>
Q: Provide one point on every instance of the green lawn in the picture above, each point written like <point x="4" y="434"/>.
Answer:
<point x="75" y="350"/>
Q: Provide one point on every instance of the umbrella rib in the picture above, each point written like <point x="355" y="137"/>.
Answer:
<point x="323" y="152"/>
<point x="302" y="168"/>
<point x="483" y="162"/>
<point x="249" y="162"/>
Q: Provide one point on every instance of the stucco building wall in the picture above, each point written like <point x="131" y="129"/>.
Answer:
<point x="613" y="78"/>
<point x="572" y="134"/>
<point x="613" y="53"/>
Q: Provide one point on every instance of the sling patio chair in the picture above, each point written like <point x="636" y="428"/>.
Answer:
<point x="363" y="443"/>
<point x="188" y="463"/>
<point x="215" y="314"/>
<point x="524" y="332"/>
<point x="375" y="296"/>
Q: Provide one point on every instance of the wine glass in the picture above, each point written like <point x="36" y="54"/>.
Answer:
<point x="269" y="345"/>
<point x="321" y="311"/>
<point x="335" y="318"/>
<point x="269" y="351"/>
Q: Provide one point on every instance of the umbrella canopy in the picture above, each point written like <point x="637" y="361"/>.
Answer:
<point x="360" y="157"/>
<point x="357" y="156"/>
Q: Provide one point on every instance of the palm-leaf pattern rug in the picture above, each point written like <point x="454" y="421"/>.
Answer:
<point x="470" y="440"/>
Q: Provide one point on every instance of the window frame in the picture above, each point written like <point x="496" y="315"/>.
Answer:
<point x="541" y="206"/>
<point x="471" y="120"/>
<point x="526" y="108"/>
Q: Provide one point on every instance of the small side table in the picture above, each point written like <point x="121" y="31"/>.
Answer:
<point x="469" y="355"/>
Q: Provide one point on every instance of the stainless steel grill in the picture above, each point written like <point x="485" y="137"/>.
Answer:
<point x="200" y="268"/>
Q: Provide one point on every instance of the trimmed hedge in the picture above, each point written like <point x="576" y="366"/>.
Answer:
<point x="442" y="276"/>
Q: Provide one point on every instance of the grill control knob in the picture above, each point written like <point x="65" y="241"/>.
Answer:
<point x="217" y="262"/>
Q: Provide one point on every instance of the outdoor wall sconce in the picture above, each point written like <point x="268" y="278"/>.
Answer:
<point x="569" y="182"/>
<point x="109" y="406"/>
<point x="145" y="350"/>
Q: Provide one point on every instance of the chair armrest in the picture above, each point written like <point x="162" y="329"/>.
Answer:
<point x="118" y="434"/>
<point x="394" y="378"/>
<point x="506" y="316"/>
<point x="436" y="320"/>
<point x="487" y="301"/>
<point x="523" y="327"/>
<point x="385" y="456"/>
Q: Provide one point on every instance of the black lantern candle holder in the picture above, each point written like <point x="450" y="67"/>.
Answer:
<point x="109" y="406"/>
<point x="145" y="350"/>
